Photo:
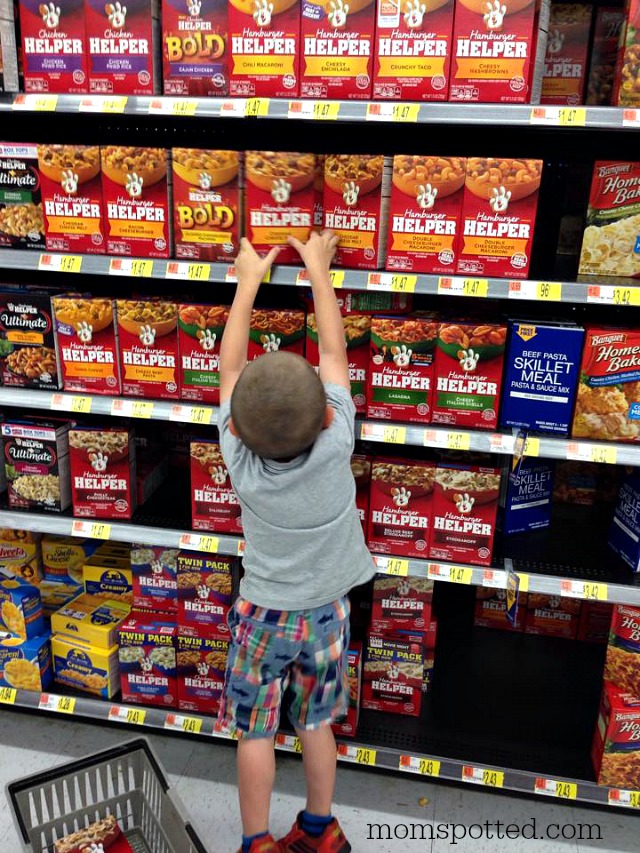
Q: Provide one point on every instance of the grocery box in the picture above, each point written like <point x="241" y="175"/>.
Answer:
<point x="148" y="348"/>
<point x="10" y="55"/>
<point x="91" y="621"/>
<point x="622" y="667"/>
<point x="626" y="92"/>
<point x="200" y="329"/>
<point x="542" y="370"/>
<point x="413" y="50"/>
<point x="202" y="663"/>
<point x="147" y="656"/>
<point x="29" y="355"/>
<point x="55" y="594"/>
<point x="527" y="496"/>
<point x="348" y="726"/>
<point x="214" y="503"/>
<point x="8" y="534"/>
<point x="361" y="470"/>
<point x="205" y="584"/>
<point x="393" y="675"/>
<point x="20" y="612"/>
<point x="616" y="751"/>
<point x="88" y="344"/>
<point x="27" y="666"/>
<point x="84" y="667"/>
<point x="491" y="610"/>
<point x="23" y="560"/>
<point x="357" y="335"/>
<point x="64" y="556"/>
<point x="54" y="47"/>
<point x="155" y="584"/>
<point x="108" y="578"/>
<point x="103" y="472"/>
<point x="565" y="62"/>
<point x="37" y="464"/>
<point x="274" y="329"/>
<point x="595" y="622"/>
<point x="401" y="369"/>
<point x="195" y="53"/>
<point x="603" y="57"/>
<point x="552" y="616"/>
<point x="21" y="216"/>
<point x="624" y="533"/>
<point x="206" y="203"/>
<point x="401" y="604"/>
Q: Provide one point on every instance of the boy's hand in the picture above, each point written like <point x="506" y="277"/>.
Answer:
<point x="318" y="252"/>
<point x="250" y="267"/>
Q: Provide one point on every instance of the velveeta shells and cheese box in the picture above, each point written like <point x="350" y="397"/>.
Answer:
<point x="88" y="344"/>
<point x="195" y="48"/>
<point x="148" y="348"/>
<point x="54" y="46"/>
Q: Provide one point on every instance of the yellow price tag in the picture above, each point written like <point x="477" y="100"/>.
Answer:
<point x="394" y="434"/>
<point x="45" y="103"/>
<point x="459" y="574"/>
<point x="142" y="269"/>
<point x="493" y="778"/>
<point x="458" y="441"/>
<point x="532" y="446"/>
<point x="141" y="409"/>
<point x="550" y="291"/>
<point x="553" y="788"/>
<point x="405" y="112"/>
<point x="404" y="283"/>
<point x="365" y="756"/>
<point x="572" y="117"/>
<point x="198" y="272"/>
<point x="70" y="263"/>
<point x="422" y="766"/>
<point x="397" y="567"/>
<point x="136" y="716"/>
<point x="8" y="695"/>
<point x="634" y="799"/>
<point x="337" y="278"/>
<point x="184" y="107"/>
<point x="429" y="767"/>
<point x="81" y="405"/>
<point x="192" y="725"/>
<point x="256" y="107"/>
<point x="289" y="742"/>
<point x="524" y="583"/>
<point x="603" y="454"/>
<point x="209" y="543"/>
<point x="99" y="530"/>
<point x="114" y="105"/>
<point x="475" y="287"/>
<point x="66" y="704"/>
<point x="596" y="591"/>
<point x="626" y="296"/>
<point x="200" y="415"/>
<point x="326" y="110"/>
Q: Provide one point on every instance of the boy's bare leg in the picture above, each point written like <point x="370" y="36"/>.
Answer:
<point x="256" y="778"/>
<point x="319" y="759"/>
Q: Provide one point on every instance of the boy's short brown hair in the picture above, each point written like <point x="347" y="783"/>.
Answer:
<point x="278" y="405"/>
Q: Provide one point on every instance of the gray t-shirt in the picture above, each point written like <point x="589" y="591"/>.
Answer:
<point x="304" y="541"/>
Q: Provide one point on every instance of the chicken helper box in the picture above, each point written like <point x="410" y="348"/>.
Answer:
<point x="195" y="48"/>
<point x="54" y="46"/>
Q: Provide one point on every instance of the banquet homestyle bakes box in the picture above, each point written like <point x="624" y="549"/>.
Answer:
<point x="498" y="216"/>
<point x="54" y="46"/>
<point x="195" y="50"/>
<point x="622" y="667"/>
<point x="206" y="203"/>
<point x="357" y="333"/>
<point x="200" y="329"/>
<point x="72" y="198"/>
<point x="413" y="50"/>
<point x="604" y="53"/>
<point x="337" y="49"/>
<point x="214" y="503"/>
<point x="356" y="204"/>
<point x="615" y="752"/>
<point x="626" y="91"/>
<point x="611" y="241"/>
<point x="148" y="348"/>
<point x="400" y="507"/>
<point x="103" y="472"/>
<point x="424" y="213"/>
<point x="401" y="603"/>
<point x="265" y="48"/>
<point x="393" y="675"/>
<point x="136" y="198"/>
<point x="21" y="215"/>
<point x="274" y="329"/>
<point x="565" y="63"/>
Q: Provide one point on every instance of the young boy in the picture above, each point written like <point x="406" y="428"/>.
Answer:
<point x="287" y="436"/>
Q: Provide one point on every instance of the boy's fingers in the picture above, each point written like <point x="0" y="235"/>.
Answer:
<point x="273" y="254"/>
<point x="297" y="244"/>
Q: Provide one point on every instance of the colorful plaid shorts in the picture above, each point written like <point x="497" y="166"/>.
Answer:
<point x="300" y="653"/>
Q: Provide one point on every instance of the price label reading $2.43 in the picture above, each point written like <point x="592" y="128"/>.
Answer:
<point x="422" y="766"/>
<point x="357" y="754"/>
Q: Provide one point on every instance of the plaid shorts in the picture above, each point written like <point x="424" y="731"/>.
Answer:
<point x="302" y="653"/>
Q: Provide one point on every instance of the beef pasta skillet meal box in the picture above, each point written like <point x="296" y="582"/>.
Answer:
<point x="280" y="200"/>
<point x="147" y="655"/>
<point x="202" y="663"/>
<point x="36" y="454"/>
<point x="103" y="472"/>
<point x="528" y="491"/>
<point x="21" y="216"/>
<point x="626" y="91"/>
<point x="401" y="604"/>
<point x="401" y="372"/>
<point x="357" y="188"/>
<point x="393" y="675"/>
<point x="200" y="329"/>
<point x="205" y="584"/>
<point x="136" y="198"/>
<point x="28" y="344"/>
<point x="608" y="401"/>
<point x="214" y="503"/>
<point x="155" y="578"/>
<point x="413" y="50"/>
<point x="88" y="344"/>
<point x="604" y="53"/>
<point x="614" y="753"/>
<point x="348" y="726"/>
<point x="54" y="46"/>
<point x="195" y="50"/>
<point x="400" y="507"/>
<point x="424" y="214"/>
<point x="361" y="470"/>
<point x="465" y="505"/>
<point x="272" y="330"/>
<point x="498" y="217"/>
<point x="357" y="333"/>
<point x="611" y="241"/>
<point x="468" y="374"/>
<point x="123" y="43"/>
<point x="206" y="203"/>
<point x="565" y="63"/>
<point x="622" y="667"/>
<point x="265" y="48"/>
<point x="624" y="534"/>
<point x="337" y="49"/>
<point x="148" y="348"/>
<point x="542" y="369"/>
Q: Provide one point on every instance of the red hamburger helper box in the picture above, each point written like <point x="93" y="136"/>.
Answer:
<point x="413" y="50"/>
<point x="400" y="507"/>
<point x="200" y="329"/>
<point x="595" y="622"/>
<point x="148" y="348"/>
<point x="465" y="506"/>
<point x="265" y="48"/>
<point x="393" y="675"/>
<point x="274" y="329"/>
<point x="357" y="333"/>
<point x="202" y="662"/>
<point x="498" y="51"/>
<point x="615" y="752"/>
<point x="103" y="472"/>
<point x="491" y="610"/>
<point x="361" y="470"/>
<point x="54" y="46"/>
<point x="123" y="40"/>
<point x="214" y="503"/>
<point x="347" y="727"/>
<point x="205" y="584"/>
<point x="154" y="572"/>
<point x="147" y="654"/>
<point x="401" y="604"/>
<point x="552" y="616"/>
<point x="565" y="63"/>
<point x="195" y="54"/>
<point x="337" y="52"/>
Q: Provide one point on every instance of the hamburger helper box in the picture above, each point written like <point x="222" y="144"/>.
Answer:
<point x="552" y="616"/>
<point x="21" y="216"/>
<point x="465" y="506"/>
<point x="357" y="333"/>
<point x="413" y="50"/>
<point x="393" y="675"/>
<point x="275" y="329"/>
<point x="424" y="214"/>
<point x="155" y="578"/>
<point x="622" y="666"/>
<point x="498" y="217"/>
<point x="195" y="54"/>
<point x="337" y="49"/>
<point x="147" y="654"/>
<point x="29" y="357"/>
<point x="205" y="584"/>
<point x="401" y="604"/>
<point x="357" y="189"/>
<point x="136" y="197"/>
<point x="603" y="57"/>
<point x="565" y="62"/>
<point x="148" y="348"/>
<point x="361" y="470"/>
<point x="206" y="203"/>
<point x="400" y="507"/>
<point x="265" y="48"/>
<point x="401" y="371"/>
<point x="103" y="472"/>
<point x="595" y="622"/>
<point x="348" y="725"/>
<point x="123" y="44"/>
<point x="200" y="329"/>
<point x="71" y="190"/>
<point x="498" y="51"/>
<point x="614" y="751"/>
<point x="491" y="610"/>
<point x="54" y="46"/>
<point x="202" y="664"/>
<point x="626" y="91"/>
<point x="214" y="503"/>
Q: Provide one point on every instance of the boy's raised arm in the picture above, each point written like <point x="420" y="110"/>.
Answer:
<point x="250" y="270"/>
<point x="317" y="254"/>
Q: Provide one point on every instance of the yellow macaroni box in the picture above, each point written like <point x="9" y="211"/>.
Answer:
<point x="27" y="666"/>
<point x="55" y="594"/>
<point x="23" y="560"/>
<point x="90" y="620"/>
<point x="87" y="668"/>
<point x="108" y="576"/>
<point x="64" y="556"/>
<point x="20" y="612"/>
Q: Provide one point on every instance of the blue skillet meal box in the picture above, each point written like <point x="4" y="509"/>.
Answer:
<point x="542" y="369"/>
<point x="528" y="496"/>
<point x="624" y="535"/>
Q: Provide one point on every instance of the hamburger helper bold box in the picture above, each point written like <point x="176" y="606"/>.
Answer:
<point x="356" y="204"/>
<point x="147" y="654"/>
<point x="413" y="50"/>
<point x="265" y="48"/>
<point x="498" y="217"/>
<point x="195" y="51"/>
<point x="54" y="46"/>
<point x="275" y="329"/>
<point x="337" y="49"/>
<point x="401" y="604"/>
<point x="424" y="214"/>
<point x="565" y="62"/>
<point x="400" y="507"/>
<point x="357" y="333"/>
<point x="103" y="472"/>
<point x="393" y="675"/>
<point x="206" y="203"/>
<point x="200" y="329"/>
<point x="136" y="198"/>
<point x="148" y="348"/>
<point x="21" y="216"/>
<point x="214" y="503"/>
<point x="202" y="663"/>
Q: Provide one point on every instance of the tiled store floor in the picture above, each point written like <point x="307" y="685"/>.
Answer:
<point x="204" y="775"/>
